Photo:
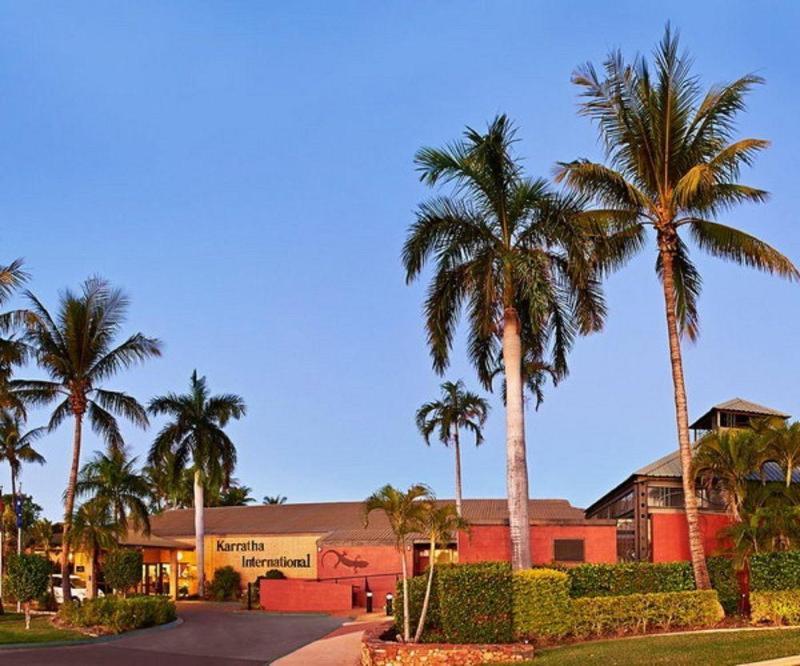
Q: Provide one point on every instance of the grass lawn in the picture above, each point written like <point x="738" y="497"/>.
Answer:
<point x="719" y="649"/>
<point x="12" y="630"/>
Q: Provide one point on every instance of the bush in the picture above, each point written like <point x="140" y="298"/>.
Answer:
<point x="475" y="602"/>
<point x="775" y="571"/>
<point x="118" y="614"/>
<point x="541" y="604"/>
<point x="27" y="577"/>
<point x="775" y="607"/>
<point x="724" y="581"/>
<point x="274" y="574"/>
<point x="226" y="584"/>
<point x="416" y="597"/>
<point x="596" y="580"/>
<point x="122" y="569"/>
<point x="639" y="613"/>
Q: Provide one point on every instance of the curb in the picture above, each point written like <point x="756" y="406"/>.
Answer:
<point x="92" y="641"/>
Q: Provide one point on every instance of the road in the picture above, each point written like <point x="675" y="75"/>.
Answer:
<point x="210" y="634"/>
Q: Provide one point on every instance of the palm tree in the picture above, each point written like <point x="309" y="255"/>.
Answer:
<point x="672" y="165"/>
<point x="727" y="460"/>
<point x="112" y="478"/>
<point x="520" y="261"/>
<point x="405" y="512"/>
<point x="77" y="350"/>
<point x="196" y="431"/>
<point x="41" y="535"/>
<point x="235" y="495"/>
<point x="16" y="446"/>
<point x="274" y="499"/>
<point x="94" y="529"/>
<point x="457" y="408"/>
<point x="782" y="443"/>
<point x="12" y="350"/>
<point x="439" y="522"/>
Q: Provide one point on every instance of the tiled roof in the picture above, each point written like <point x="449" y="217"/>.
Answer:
<point x="670" y="466"/>
<point x="340" y="521"/>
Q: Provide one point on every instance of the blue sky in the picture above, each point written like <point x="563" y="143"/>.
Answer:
<point x="244" y="170"/>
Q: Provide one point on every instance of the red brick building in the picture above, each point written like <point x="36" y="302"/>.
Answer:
<point x="648" y="506"/>
<point x="328" y="543"/>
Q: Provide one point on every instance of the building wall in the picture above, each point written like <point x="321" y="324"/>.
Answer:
<point x="288" y="596"/>
<point x="670" y="536"/>
<point x="492" y="542"/>
<point x="362" y="565"/>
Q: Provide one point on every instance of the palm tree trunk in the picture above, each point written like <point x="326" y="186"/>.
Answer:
<point x="516" y="463"/>
<point x="69" y="505"/>
<point x="199" y="533"/>
<point x="457" y="447"/>
<point x="424" y="612"/>
<point x="696" y="549"/>
<point x="406" y="612"/>
<point x="95" y="570"/>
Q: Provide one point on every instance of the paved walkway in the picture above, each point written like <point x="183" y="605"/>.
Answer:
<point x="339" y="648"/>
<point x="211" y="634"/>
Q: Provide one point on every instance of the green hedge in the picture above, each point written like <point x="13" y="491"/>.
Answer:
<point x="775" y="571"/>
<point x="775" y="607"/>
<point x="724" y="581"/>
<point x="117" y="614"/>
<point x="226" y="584"/>
<point x="475" y="602"/>
<point x="597" y="580"/>
<point x="541" y="604"/>
<point x="639" y="613"/>
<point x="416" y="596"/>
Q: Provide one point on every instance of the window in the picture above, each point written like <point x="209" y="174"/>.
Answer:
<point x="663" y="496"/>
<point x="568" y="550"/>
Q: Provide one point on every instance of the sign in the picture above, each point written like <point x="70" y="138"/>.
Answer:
<point x="253" y="556"/>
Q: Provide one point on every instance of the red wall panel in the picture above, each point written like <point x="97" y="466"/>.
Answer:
<point x="670" y="535"/>
<point x="292" y="595"/>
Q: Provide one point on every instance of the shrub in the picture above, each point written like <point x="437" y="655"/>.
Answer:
<point x="775" y="571"/>
<point x="475" y="602"/>
<point x="775" y="607"/>
<point x="639" y="613"/>
<point x="226" y="584"/>
<point x="122" y="569"/>
<point x="541" y="604"/>
<point x="596" y="580"/>
<point x="118" y="614"/>
<point x="274" y="574"/>
<point x="27" y="578"/>
<point x="416" y="597"/>
<point x="724" y="581"/>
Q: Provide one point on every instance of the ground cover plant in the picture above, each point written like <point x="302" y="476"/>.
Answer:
<point x="114" y="614"/>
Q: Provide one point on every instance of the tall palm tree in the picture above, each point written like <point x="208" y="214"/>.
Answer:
<point x="78" y="350"/>
<point x="112" y="478"/>
<point x="235" y="495"/>
<point x="12" y="350"/>
<point x="727" y="461"/>
<point x="195" y="432"/>
<point x="405" y="512"/>
<point x="438" y="524"/>
<point x="94" y="529"/>
<point x="456" y="409"/>
<point x="16" y="446"/>
<point x="519" y="260"/>
<point x="672" y="165"/>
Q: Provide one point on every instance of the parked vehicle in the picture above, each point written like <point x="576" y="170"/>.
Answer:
<point x="77" y="585"/>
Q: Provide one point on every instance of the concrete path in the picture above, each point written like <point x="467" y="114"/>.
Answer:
<point x="339" y="648"/>
<point x="215" y="634"/>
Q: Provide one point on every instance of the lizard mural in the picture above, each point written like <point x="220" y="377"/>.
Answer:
<point x="354" y="563"/>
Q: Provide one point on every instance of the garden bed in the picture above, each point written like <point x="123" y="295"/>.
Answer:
<point x="379" y="648"/>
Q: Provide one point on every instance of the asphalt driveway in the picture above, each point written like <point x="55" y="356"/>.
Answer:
<point x="210" y="634"/>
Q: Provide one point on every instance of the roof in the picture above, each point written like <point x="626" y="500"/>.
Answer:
<point x="343" y="521"/>
<point x="740" y="406"/>
<point x="133" y="538"/>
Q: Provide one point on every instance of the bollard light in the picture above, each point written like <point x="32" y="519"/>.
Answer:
<point x="369" y="602"/>
<point x="389" y="604"/>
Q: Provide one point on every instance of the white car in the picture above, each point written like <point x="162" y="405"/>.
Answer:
<point x="77" y="588"/>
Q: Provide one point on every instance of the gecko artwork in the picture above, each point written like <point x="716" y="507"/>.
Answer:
<point x="354" y="563"/>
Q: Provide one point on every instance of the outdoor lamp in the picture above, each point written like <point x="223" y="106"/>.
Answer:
<point x="389" y="603"/>
<point x="369" y="602"/>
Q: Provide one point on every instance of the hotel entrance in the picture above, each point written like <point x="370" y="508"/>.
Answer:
<point x="156" y="578"/>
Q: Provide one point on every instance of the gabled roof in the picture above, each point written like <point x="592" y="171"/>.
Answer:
<point x="740" y="406"/>
<point x="342" y="521"/>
